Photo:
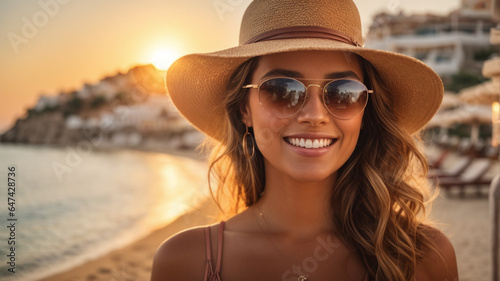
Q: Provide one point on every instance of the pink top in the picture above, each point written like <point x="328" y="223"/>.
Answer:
<point x="212" y="274"/>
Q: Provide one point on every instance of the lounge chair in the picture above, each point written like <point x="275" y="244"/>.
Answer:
<point x="436" y="163"/>
<point x="472" y="176"/>
<point x="454" y="171"/>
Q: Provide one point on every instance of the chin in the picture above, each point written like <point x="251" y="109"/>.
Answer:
<point x="305" y="176"/>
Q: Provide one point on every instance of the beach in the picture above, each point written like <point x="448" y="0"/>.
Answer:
<point x="72" y="206"/>
<point x="134" y="261"/>
<point x="466" y="221"/>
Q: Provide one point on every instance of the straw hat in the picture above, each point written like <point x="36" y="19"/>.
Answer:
<point x="197" y="82"/>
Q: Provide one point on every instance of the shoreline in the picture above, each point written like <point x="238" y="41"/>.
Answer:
<point x="98" y="261"/>
<point x="194" y="153"/>
<point x="134" y="261"/>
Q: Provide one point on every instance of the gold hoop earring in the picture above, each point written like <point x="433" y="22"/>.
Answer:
<point x="245" y="145"/>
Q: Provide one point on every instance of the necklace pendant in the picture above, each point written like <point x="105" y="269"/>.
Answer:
<point x="302" y="278"/>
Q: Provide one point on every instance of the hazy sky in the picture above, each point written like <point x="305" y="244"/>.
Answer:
<point x="51" y="45"/>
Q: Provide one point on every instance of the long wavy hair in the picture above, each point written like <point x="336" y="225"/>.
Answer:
<point x="380" y="195"/>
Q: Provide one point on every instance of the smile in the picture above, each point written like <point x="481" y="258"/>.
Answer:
<point x="310" y="143"/>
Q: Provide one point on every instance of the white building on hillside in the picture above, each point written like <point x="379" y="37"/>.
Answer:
<point x="46" y="102"/>
<point x="447" y="44"/>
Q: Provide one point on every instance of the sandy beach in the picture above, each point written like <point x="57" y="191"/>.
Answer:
<point x="133" y="263"/>
<point x="466" y="221"/>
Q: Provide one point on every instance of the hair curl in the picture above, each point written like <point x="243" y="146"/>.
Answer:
<point x="379" y="198"/>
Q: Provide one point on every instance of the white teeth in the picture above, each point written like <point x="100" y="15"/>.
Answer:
<point x="315" y="144"/>
<point x="310" y="143"/>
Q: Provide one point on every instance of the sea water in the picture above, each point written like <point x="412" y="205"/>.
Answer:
<point x="73" y="204"/>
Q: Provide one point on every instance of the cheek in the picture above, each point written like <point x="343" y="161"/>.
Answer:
<point x="350" y="131"/>
<point x="353" y="132"/>
<point x="267" y="130"/>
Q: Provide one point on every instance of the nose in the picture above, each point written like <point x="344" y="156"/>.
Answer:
<point x="314" y="110"/>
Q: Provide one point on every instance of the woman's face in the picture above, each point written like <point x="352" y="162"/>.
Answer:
<point x="313" y="123"/>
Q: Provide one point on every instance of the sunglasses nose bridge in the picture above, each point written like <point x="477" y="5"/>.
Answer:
<point x="309" y="86"/>
<point x="321" y="94"/>
<point x="308" y="96"/>
<point x="313" y="85"/>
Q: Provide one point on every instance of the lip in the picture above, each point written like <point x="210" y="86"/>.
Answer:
<point x="311" y="151"/>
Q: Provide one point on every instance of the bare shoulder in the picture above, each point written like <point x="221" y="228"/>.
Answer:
<point x="441" y="264"/>
<point x="181" y="257"/>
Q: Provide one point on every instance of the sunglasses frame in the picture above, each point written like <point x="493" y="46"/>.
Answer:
<point x="306" y="98"/>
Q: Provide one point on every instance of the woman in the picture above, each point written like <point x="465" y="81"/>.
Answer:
<point x="314" y="139"/>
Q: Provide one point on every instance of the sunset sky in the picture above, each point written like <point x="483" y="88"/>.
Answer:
<point x="51" y="45"/>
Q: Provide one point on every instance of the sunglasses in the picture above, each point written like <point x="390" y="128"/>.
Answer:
<point x="284" y="97"/>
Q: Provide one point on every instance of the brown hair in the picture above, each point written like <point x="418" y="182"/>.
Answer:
<point x="379" y="198"/>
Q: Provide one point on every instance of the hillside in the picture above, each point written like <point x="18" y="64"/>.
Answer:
<point x="129" y="109"/>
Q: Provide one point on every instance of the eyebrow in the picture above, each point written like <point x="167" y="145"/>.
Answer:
<point x="296" y="74"/>
<point x="283" y="72"/>
<point x="343" y="74"/>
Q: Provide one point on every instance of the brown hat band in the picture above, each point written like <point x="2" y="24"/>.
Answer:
<point x="303" y="32"/>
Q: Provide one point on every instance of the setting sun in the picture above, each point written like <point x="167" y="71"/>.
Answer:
<point x="162" y="59"/>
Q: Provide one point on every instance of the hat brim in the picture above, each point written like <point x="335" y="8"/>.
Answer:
<point x="197" y="82"/>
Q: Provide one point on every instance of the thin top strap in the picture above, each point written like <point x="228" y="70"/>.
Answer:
<point x="207" y="244"/>
<point x="210" y="274"/>
<point x="219" y="246"/>
<point x="209" y="270"/>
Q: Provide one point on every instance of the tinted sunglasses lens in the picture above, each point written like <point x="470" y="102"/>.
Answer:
<point x="345" y="98"/>
<point x="282" y="97"/>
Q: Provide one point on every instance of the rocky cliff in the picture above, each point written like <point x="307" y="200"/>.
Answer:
<point x="124" y="110"/>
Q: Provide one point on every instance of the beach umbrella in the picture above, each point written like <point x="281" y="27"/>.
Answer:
<point x="450" y="100"/>
<point x="484" y="93"/>
<point x="474" y="115"/>
<point x="441" y="119"/>
<point x="459" y="115"/>
<point x="444" y="118"/>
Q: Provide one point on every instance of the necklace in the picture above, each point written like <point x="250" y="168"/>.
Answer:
<point x="301" y="277"/>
